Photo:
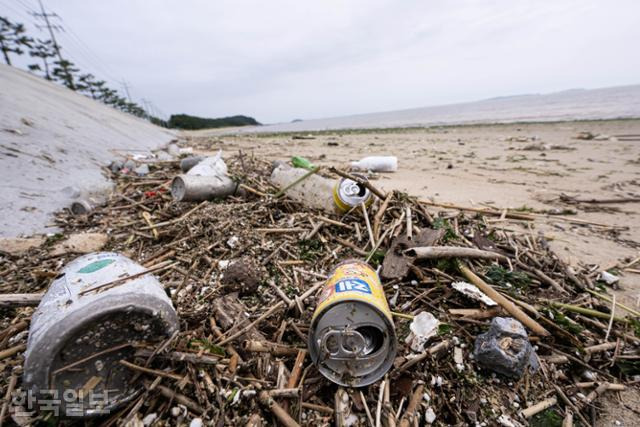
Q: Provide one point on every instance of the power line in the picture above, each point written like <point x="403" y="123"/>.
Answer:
<point x="24" y="4"/>
<point x="86" y="53"/>
<point x="16" y="10"/>
<point x="106" y="69"/>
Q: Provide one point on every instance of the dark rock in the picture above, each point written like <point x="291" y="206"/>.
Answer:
<point x="504" y="348"/>
<point x="242" y="276"/>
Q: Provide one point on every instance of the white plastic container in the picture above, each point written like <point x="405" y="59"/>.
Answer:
<point x="77" y="338"/>
<point x="376" y="164"/>
<point x="206" y="180"/>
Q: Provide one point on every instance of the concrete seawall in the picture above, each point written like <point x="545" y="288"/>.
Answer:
<point x="53" y="143"/>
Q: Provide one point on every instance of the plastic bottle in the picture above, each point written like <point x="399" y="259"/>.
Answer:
<point x="315" y="191"/>
<point x="376" y="164"/>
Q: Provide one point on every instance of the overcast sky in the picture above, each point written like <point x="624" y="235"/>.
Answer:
<point x="282" y="60"/>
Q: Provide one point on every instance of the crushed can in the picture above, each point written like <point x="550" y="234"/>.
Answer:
<point x="82" y="330"/>
<point x="348" y="193"/>
<point x="352" y="337"/>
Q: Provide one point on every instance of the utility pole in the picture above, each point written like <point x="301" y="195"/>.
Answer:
<point x="44" y="15"/>
<point x="147" y="106"/>
<point x="125" y="85"/>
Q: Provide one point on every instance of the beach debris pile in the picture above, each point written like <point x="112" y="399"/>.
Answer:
<point x="490" y="326"/>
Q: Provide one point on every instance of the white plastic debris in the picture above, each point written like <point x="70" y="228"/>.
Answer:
<point x="473" y="292"/>
<point x="233" y="241"/>
<point x="506" y="421"/>
<point x="210" y="166"/>
<point x="196" y="422"/>
<point x="376" y="164"/>
<point x="423" y="327"/>
<point x="149" y="419"/>
<point x="173" y="150"/>
<point x="430" y="415"/>
<point x="608" y="278"/>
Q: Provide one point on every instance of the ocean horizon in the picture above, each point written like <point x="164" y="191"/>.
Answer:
<point x="619" y="102"/>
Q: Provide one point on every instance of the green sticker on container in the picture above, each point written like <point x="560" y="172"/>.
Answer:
<point x="95" y="266"/>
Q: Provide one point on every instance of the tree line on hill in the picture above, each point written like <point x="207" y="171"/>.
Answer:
<point x="185" y="121"/>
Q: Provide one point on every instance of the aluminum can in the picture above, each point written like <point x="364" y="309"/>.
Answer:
<point x="352" y="338"/>
<point x="348" y="193"/>
<point x="78" y="335"/>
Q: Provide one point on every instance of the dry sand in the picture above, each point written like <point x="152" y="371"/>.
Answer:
<point x="524" y="166"/>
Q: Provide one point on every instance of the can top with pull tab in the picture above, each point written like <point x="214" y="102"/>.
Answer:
<point x="348" y="193"/>
<point x="352" y="338"/>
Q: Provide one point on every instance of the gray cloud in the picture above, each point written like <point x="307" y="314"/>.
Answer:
<point x="280" y="60"/>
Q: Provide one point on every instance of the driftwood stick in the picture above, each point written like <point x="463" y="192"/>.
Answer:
<point x="267" y="347"/>
<point x="20" y="300"/>
<point x="366" y="221"/>
<point x="379" y="406"/>
<point x="610" y="386"/>
<point x="244" y="330"/>
<point x="475" y="313"/>
<point x="416" y="398"/>
<point x="435" y="252"/>
<point x="619" y="304"/>
<point x="527" y="217"/>
<point x="297" y="369"/>
<point x="570" y="404"/>
<point x="586" y="311"/>
<point x="504" y="302"/>
<point x="318" y="408"/>
<point x="267" y="401"/>
<point x="150" y="371"/>
<point x="378" y="217"/>
<point x="11" y="351"/>
<point x="539" y="407"/>
<point x="7" y="397"/>
<point x="568" y="419"/>
<point x="366" y="409"/>
<point x="170" y="394"/>
<point x="179" y="356"/>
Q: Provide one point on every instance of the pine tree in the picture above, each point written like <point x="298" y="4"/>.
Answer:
<point x="42" y="49"/>
<point x="12" y="38"/>
<point x="64" y="71"/>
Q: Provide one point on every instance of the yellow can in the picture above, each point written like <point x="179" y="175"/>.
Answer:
<point x="348" y="193"/>
<point x="352" y="337"/>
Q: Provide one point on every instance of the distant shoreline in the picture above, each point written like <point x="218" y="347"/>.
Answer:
<point x="407" y="129"/>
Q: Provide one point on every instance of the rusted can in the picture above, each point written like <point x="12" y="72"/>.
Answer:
<point x="352" y="338"/>
<point x="348" y="193"/>
<point x="82" y="329"/>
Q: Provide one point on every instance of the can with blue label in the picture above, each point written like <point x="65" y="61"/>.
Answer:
<point x="352" y="337"/>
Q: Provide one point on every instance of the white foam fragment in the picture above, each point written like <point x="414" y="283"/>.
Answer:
<point x="473" y="292"/>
